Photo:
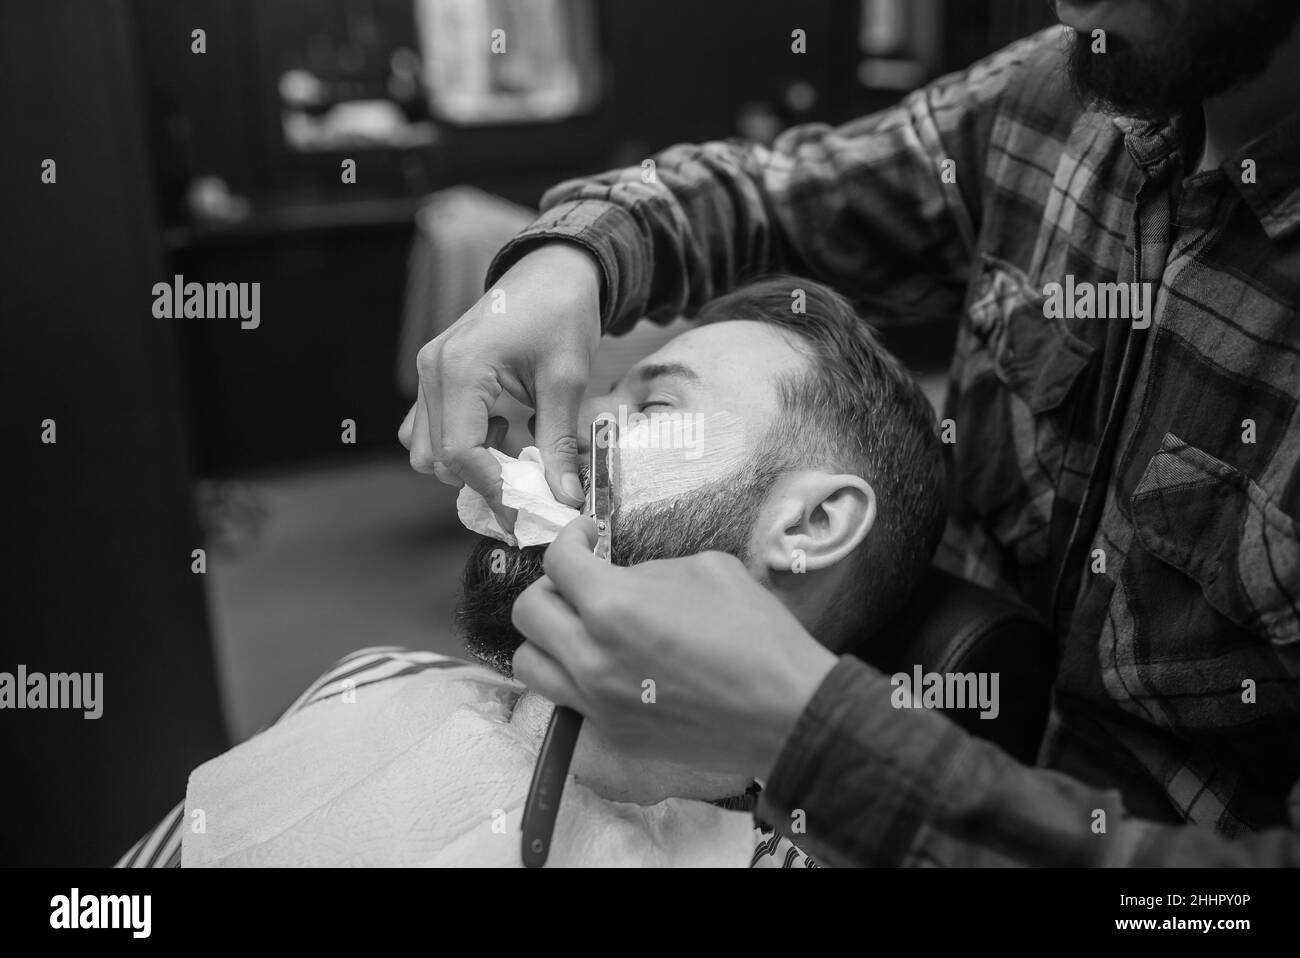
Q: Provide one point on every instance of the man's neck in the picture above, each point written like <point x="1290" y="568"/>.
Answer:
<point x="1239" y="116"/>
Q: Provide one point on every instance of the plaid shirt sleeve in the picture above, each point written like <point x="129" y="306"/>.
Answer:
<point x="881" y="786"/>
<point x="886" y="207"/>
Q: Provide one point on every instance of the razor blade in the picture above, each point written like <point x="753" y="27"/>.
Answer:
<point x="543" y="804"/>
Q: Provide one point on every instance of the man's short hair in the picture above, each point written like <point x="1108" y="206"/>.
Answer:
<point x="856" y="411"/>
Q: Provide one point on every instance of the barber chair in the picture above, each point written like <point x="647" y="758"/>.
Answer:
<point x="951" y="625"/>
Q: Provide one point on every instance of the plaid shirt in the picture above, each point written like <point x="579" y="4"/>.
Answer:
<point x="1138" y="487"/>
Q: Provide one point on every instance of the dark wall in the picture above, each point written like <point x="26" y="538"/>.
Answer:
<point x="325" y="350"/>
<point x="98" y="527"/>
<point x="332" y="257"/>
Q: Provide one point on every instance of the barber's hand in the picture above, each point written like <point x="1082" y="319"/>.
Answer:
<point x="732" y="667"/>
<point x="533" y="335"/>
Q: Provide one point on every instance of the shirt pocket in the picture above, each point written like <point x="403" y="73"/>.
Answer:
<point x="1018" y="370"/>
<point x="1203" y="633"/>
<point x="1215" y="524"/>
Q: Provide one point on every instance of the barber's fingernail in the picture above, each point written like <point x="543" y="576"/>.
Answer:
<point x="571" y="485"/>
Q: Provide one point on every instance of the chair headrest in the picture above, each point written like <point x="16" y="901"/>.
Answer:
<point x="950" y="626"/>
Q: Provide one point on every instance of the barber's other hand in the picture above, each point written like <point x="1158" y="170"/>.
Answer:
<point x="533" y="335"/>
<point x="732" y="667"/>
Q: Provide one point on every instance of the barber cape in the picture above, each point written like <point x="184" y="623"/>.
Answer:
<point x="399" y="758"/>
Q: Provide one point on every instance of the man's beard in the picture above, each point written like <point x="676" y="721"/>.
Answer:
<point x="718" y="517"/>
<point x="1208" y="47"/>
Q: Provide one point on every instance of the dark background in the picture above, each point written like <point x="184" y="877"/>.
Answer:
<point x="98" y="529"/>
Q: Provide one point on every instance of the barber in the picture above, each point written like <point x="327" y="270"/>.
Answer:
<point x="1132" y="475"/>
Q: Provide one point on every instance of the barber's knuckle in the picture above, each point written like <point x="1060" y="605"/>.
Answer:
<point x="604" y="612"/>
<point x="566" y="445"/>
<point x="597" y="614"/>
<point x="423" y="461"/>
<point x="446" y="475"/>
<point x="604" y="686"/>
<point x="588" y="673"/>
<point x="568" y="379"/>
<point x="452" y="352"/>
<point x="429" y="358"/>
<point x="464" y="460"/>
<point x="461" y="367"/>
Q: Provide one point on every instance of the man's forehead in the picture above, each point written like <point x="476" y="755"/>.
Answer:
<point x="726" y="355"/>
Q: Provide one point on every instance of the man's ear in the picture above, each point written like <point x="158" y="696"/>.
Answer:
<point x="813" y="520"/>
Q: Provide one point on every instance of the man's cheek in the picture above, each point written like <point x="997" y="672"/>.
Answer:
<point x="671" y="455"/>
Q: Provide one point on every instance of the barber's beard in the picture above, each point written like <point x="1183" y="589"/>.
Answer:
<point x="717" y="517"/>
<point x="1207" y="47"/>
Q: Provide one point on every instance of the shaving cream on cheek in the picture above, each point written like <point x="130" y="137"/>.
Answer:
<point x="666" y="455"/>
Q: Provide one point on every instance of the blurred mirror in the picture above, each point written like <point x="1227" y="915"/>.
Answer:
<point x="508" y="61"/>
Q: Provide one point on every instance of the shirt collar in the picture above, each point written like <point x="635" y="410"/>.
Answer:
<point x="1275" y="194"/>
<point x="1150" y="141"/>
<point x="1274" y="197"/>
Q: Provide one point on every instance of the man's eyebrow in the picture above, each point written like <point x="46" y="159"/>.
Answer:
<point x="659" y="370"/>
<point x="655" y="370"/>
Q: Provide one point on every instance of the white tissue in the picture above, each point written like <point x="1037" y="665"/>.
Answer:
<point x="524" y="488"/>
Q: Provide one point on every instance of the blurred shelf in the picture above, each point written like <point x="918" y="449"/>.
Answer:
<point x="310" y="217"/>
